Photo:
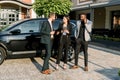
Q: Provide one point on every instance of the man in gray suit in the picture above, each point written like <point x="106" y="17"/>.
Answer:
<point x="47" y="33"/>
<point x="82" y="34"/>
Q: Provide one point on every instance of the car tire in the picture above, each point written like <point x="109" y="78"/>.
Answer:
<point x="71" y="53"/>
<point x="2" y="55"/>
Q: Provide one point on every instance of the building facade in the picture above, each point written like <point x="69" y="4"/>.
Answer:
<point x="14" y="10"/>
<point x="105" y="14"/>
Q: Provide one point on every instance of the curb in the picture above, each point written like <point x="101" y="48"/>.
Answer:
<point x="104" y="49"/>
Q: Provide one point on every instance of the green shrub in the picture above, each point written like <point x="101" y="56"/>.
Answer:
<point x="105" y="38"/>
<point x="119" y="73"/>
<point x="3" y="27"/>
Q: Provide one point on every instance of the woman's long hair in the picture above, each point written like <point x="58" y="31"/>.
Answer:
<point x="68" y="18"/>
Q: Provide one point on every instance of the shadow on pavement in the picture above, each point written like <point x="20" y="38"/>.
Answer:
<point x="37" y="65"/>
<point x="82" y="58"/>
<point x="22" y="56"/>
<point x="111" y="73"/>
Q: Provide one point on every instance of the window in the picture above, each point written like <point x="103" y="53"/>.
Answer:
<point x="40" y="24"/>
<point x="28" y="26"/>
<point x="83" y="2"/>
<point x="8" y="16"/>
<point x="115" y="19"/>
<point x="56" y="24"/>
<point x="115" y="27"/>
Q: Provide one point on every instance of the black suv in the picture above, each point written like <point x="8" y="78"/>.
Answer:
<point x="24" y="37"/>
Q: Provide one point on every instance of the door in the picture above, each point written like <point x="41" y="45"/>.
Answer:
<point x="24" y="36"/>
<point x="115" y="24"/>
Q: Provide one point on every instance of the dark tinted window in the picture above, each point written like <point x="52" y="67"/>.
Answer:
<point x="73" y="28"/>
<point x="28" y="26"/>
<point x="40" y="24"/>
<point x="56" y="24"/>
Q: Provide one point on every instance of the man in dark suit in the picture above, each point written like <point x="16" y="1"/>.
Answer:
<point x="47" y="33"/>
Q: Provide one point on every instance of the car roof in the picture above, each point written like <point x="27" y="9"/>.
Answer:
<point x="23" y="20"/>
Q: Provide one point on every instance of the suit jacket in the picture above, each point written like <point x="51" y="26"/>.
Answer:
<point x="88" y="29"/>
<point x="45" y="33"/>
<point x="69" y="28"/>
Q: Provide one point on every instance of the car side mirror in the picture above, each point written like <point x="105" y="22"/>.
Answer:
<point x="16" y="31"/>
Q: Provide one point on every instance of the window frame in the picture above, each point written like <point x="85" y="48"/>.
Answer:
<point x="84" y="2"/>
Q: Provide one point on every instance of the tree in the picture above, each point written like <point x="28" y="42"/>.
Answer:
<point x="44" y="7"/>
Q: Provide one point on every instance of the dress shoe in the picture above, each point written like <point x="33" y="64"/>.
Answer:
<point x="74" y="67"/>
<point x="64" y="66"/>
<point x="48" y="71"/>
<point x="86" y="69"/>
<point x="57" y="67"/>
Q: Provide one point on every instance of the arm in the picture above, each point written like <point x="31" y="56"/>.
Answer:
<point x="89" y="26"/>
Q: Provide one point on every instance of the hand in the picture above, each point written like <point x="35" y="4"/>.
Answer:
<point x="61" y="31"/>
<point x="66" y="31"/>
<point x="52" y="32"/>
<point x="82" y="22"/>
<point x="58" y="33"/>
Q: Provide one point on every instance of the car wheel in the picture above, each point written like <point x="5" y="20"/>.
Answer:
<point x="2" y="55"/>
<point x="71" y="53"/>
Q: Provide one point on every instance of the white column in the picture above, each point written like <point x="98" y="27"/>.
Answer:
<point x="92" y="15"/>
<point x="33" y="14"/>
<point x="20" y="13"/>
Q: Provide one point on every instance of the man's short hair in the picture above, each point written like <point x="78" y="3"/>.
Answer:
<point x="51" y="14"/>
<point x="84" y="14"/>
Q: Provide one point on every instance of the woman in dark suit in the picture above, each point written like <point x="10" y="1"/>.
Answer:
<point x="64" y="31"/>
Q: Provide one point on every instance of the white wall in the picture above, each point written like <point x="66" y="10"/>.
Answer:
<point x="20" y="13"/>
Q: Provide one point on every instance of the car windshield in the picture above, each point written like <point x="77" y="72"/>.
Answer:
<point x="10" y="25"/>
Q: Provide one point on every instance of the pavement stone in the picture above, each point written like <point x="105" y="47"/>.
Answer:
<point x="102" y="66"/>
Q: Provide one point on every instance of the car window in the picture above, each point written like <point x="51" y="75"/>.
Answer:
<point x="73" y="28"/>
<point x="28" y="26"/>
<point x="56" y="24"/>
<point x="40" y="24"/>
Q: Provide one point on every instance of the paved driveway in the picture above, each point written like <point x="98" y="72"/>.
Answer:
<point x="102" y="66"/>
